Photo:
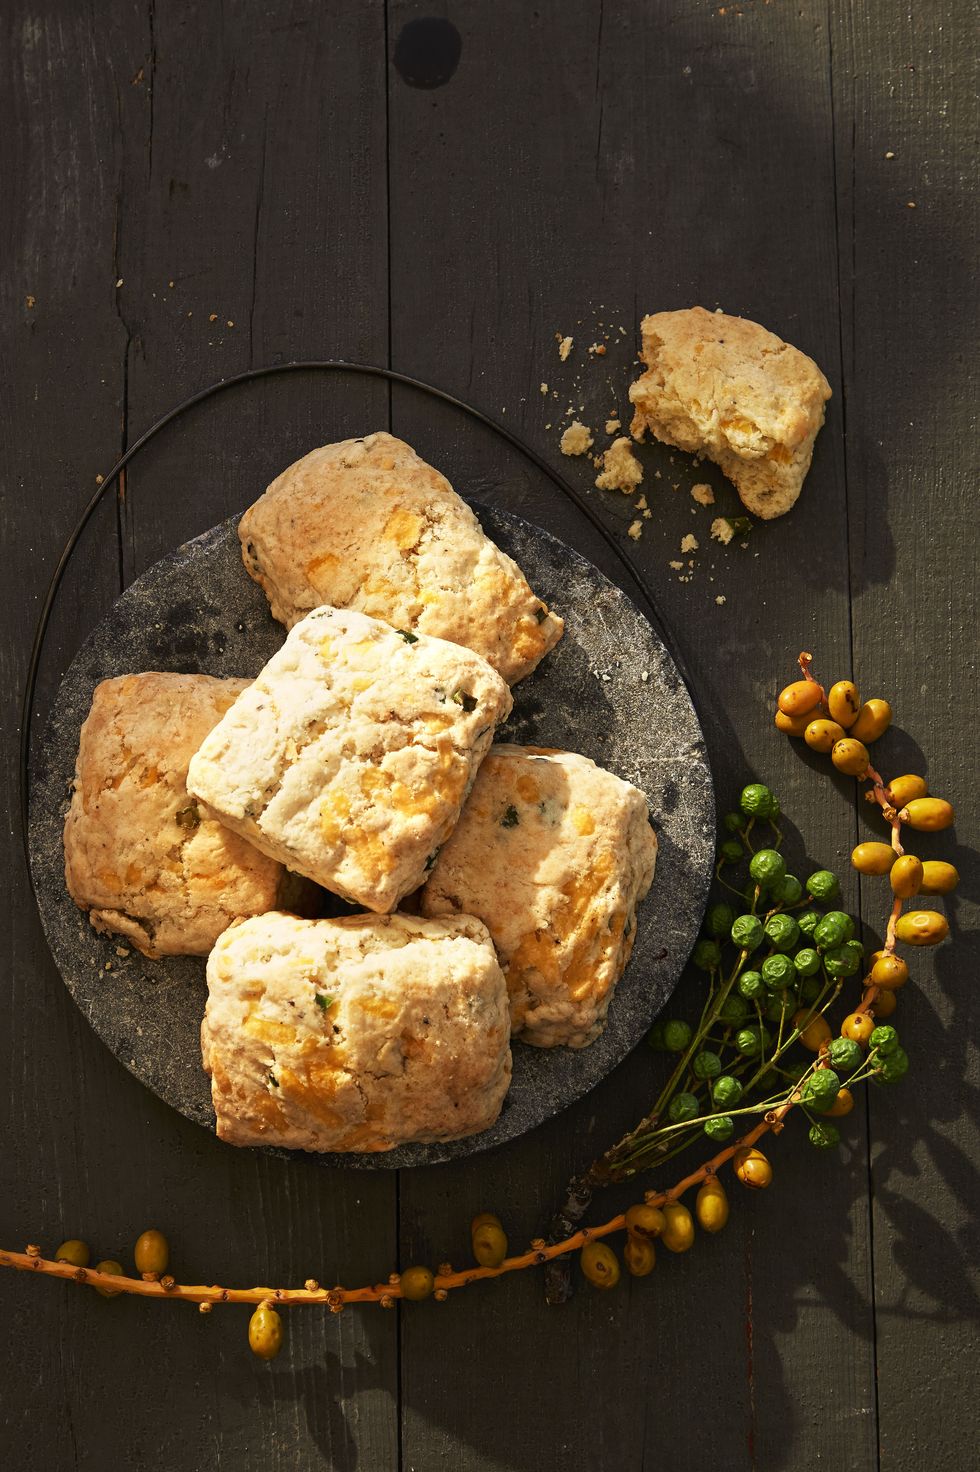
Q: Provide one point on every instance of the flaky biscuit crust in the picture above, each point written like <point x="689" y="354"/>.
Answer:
<point x="367" y="524"/>
<point x="729" y="389"/>
<point x="356" y="1034"/>
<point x="351" y="754"/>
<point x="141" y="856"/>
<point x="553" y="853"/>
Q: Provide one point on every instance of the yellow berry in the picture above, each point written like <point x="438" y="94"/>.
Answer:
<point x="858" y="1027"/>
<point x="417" y="1283"/>
<point x="850" y="757"/>
<point x="842" y="1105"/>
<point x="938" y="878"/>
<point x="599" y="1264"/>
<point x="823" y="735"/>
<point x="800" y="697"/>
<point x="489" y="1244"/>
<point x="928" y="814"/>
<point x="640" y="1256"/>
<point x="265" y="1332"/>
<point x="885" y="1004"/>
<point x="151" y="1253"/>
<point x="922" y="928"/>
<point x="873" y="858"/>
<point x="874" y="718"/>
<point x="712" y="1205"/>
<point x="815" y="1033"/>
<point x="906" y="877"/>
<point x="115" y="1269"/>
<point x="793" y="725"/>
<point x="74" y="1251"/>
<point x="678" y="1234"/>
<point x="645" y="1221"/>
<point x="844" y="703"/>
<point x="904" y="789"/>
<point x="889" y="972"/>
<point x="752" y="1168"/>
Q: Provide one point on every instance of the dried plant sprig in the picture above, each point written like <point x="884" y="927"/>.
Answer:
<point x="805" y="710"/>
<point x="652" y="1141"/>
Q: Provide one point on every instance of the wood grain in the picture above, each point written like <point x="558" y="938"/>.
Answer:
<point x="582" y="164"/>
<point x="907" y="276"/>
<point x="583" y="216"/>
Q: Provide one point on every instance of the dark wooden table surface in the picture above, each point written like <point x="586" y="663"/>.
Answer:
<point x="190" y="190"/>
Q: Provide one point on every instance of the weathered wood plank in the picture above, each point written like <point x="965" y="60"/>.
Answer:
<point x="58" y="177"/>
<point x="188" y="122"/>
<point x="904" y="103"/>
<point x="634" y="159"/>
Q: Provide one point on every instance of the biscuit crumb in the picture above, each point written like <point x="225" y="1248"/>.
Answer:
<point x="544" y="388"/>
<point x="703" y="494"/>
<point x="612" y="425"/>
<point x="689" y="543"/>
<point x="635" y="531"/>
<point x="213" y="317"/>
<point x="30" y="301"/>
<point x="576" y="439"/>
<point x="677" y="566"/>
<point x="722" y="530"/>
<point x="645" y="676"/>
<point x="641" y="503"/>
<point x="889" y="154"/>
<point x="720" y="599"/>
<point x="622" y="471"/>
<point x="119" y="282"/>
<point x="564" y="346"/>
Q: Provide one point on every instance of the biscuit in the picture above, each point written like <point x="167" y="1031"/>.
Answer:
<point x="350" y="756"/>
<point x="141" y="856"/>
<point x="553" y="854"/>
<point x="726" y="388"/>
<point x="367" y="524"/>
<point x="356" y="1034"/>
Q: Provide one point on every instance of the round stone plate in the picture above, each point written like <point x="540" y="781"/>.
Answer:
<point x="609" y="690"/>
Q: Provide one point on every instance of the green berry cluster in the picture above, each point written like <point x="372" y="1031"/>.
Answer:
<point x="777" y="953"/>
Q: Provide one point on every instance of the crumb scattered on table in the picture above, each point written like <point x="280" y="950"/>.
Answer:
<point x="576" y="439"/>
<point x="722" y="530"/>
<point x="676" y="566"/>
<point x="612" y="425"/>
<point x="689" y="543"/>
<point x="635" y="531"/>
<point x="621" y="469"/>
<point x="564" y="346"/>
<point x="544" y="388"/>
<point x="720" y="599"/>
<point x="703" y="494"/>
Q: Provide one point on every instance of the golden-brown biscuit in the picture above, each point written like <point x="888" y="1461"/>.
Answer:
<point x="356" y="1034"/>
<point x="351" y="754"/>
<point x="553" y="854"/>
<point x="141" y="856"/>
<point x="727" y="388"/>
<point x="367" y="524"/>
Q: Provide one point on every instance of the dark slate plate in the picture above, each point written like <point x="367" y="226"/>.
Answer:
<point x="609" y="690"/>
